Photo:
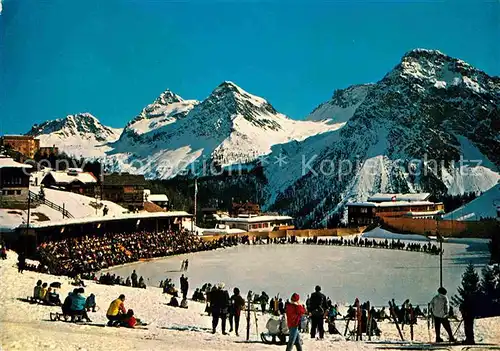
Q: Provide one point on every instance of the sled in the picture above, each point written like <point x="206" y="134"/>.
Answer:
<point x="274" y="339"/>
<point x="277" y="332"/>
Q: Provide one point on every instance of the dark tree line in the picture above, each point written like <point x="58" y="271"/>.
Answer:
<point x="483" y="292"/>
<point x="452" y="202"/>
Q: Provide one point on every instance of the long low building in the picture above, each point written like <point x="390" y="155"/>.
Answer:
<point x="381" y="205"/>
<point x="263" y="223"/>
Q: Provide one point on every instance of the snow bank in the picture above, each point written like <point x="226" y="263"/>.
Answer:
<point x="379" y="233"/>
<point x="485" y="206"/>
<point x="27" y="327"/>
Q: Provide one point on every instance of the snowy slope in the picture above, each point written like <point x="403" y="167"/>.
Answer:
<point x="79" y="206"/>
<point x="80" y="135"/>
<point x="230" y="126"/>
<point x="342" y="106"/>
<point x="485" y="206"/>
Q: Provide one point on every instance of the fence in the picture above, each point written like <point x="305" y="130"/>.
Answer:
<point x="447" y="228"/>
<point x="295" y="232"/>
<point x="52" y="205"/>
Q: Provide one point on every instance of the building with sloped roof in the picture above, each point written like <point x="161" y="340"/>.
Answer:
<point x="74" y="180"/>
<point x="124" y="188"/>
<point x="381" y="205"/>
<point x="14" y="183"/>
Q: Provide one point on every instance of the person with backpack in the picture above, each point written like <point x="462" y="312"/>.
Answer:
<point x="317" y="311"/>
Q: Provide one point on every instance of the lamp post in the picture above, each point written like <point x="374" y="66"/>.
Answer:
<point x="440" y="239"/>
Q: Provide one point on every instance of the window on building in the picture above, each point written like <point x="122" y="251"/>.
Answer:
<point x="18" y="192"/>
<point x="364" y="210"/>
<point x="10" y="192"/>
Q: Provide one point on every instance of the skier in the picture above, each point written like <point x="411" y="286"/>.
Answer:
<point x="317" y="312"/>
<point x="439" y="309"/>
<point x="186" y="263"/>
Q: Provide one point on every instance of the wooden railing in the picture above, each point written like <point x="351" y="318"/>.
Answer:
<point x="52" y="205"/>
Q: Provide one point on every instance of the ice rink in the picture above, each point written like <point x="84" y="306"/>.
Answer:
<point x="343" y="272"/>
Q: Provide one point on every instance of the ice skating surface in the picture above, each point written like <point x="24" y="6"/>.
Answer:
<point x="343" y="272"/>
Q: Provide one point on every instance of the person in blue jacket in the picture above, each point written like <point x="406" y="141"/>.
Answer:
<point x="78" y="305"/>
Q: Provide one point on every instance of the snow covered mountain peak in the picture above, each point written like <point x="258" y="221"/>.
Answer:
<point x="79" y="124"/>
<point x="81" y="135"/>
<point x="165" y="109"/>
<point x="168" y="97"/>
<point x="425" y="69"/>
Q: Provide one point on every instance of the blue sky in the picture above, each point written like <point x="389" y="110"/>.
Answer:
<point x="111" y="57"/>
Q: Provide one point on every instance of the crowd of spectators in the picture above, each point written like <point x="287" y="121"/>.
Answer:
<point x="91" y="253"/>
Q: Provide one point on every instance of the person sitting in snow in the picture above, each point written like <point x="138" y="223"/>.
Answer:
<point x="66" y="306"/>
<point x="129" y="320"/>
<point x="36" y="290"/>
<point x="184" y="303"/>
<point x="53" y="297"/>
<point x="173" y="302"/>
<point x="43" y="292"/>
<point x="90" y="303"/>
<point x="78" y="305"/>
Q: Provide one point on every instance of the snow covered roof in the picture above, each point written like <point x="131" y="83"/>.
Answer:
<point x="362" y="204"/>
<point x="99" y="219"/>
<point x="255" y="219"/>
<point x="390" y="203"/>
<point x="403" y="203"/>
<point x="380" y="197"/>
<point x="157" y="198"/>
<point x="214" y="231"/>
<point x="62" y="177"/>
<point x="7" y="162"/>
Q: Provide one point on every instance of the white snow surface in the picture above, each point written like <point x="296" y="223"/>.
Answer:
<point x="484" y="206"/>
<point x="78" y="205"/>
<point x="27" y="327"/>
<point x="339" y="113"/>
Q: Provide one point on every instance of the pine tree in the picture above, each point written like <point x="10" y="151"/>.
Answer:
<point x="470" y="288"/>
<point x="490" y="289"/>
<point x="494" y="246"/>
<point x="488" y="283"/>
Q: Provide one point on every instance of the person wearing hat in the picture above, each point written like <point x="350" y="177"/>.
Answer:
<point x="294" y="312"/>
<point x="439" y="309"/>
<point x="318" y="309"/>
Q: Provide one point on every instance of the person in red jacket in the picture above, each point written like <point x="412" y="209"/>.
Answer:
<point x="294" y="312"/>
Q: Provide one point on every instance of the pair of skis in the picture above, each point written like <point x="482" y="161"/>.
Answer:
<point x="392" y="310"/>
